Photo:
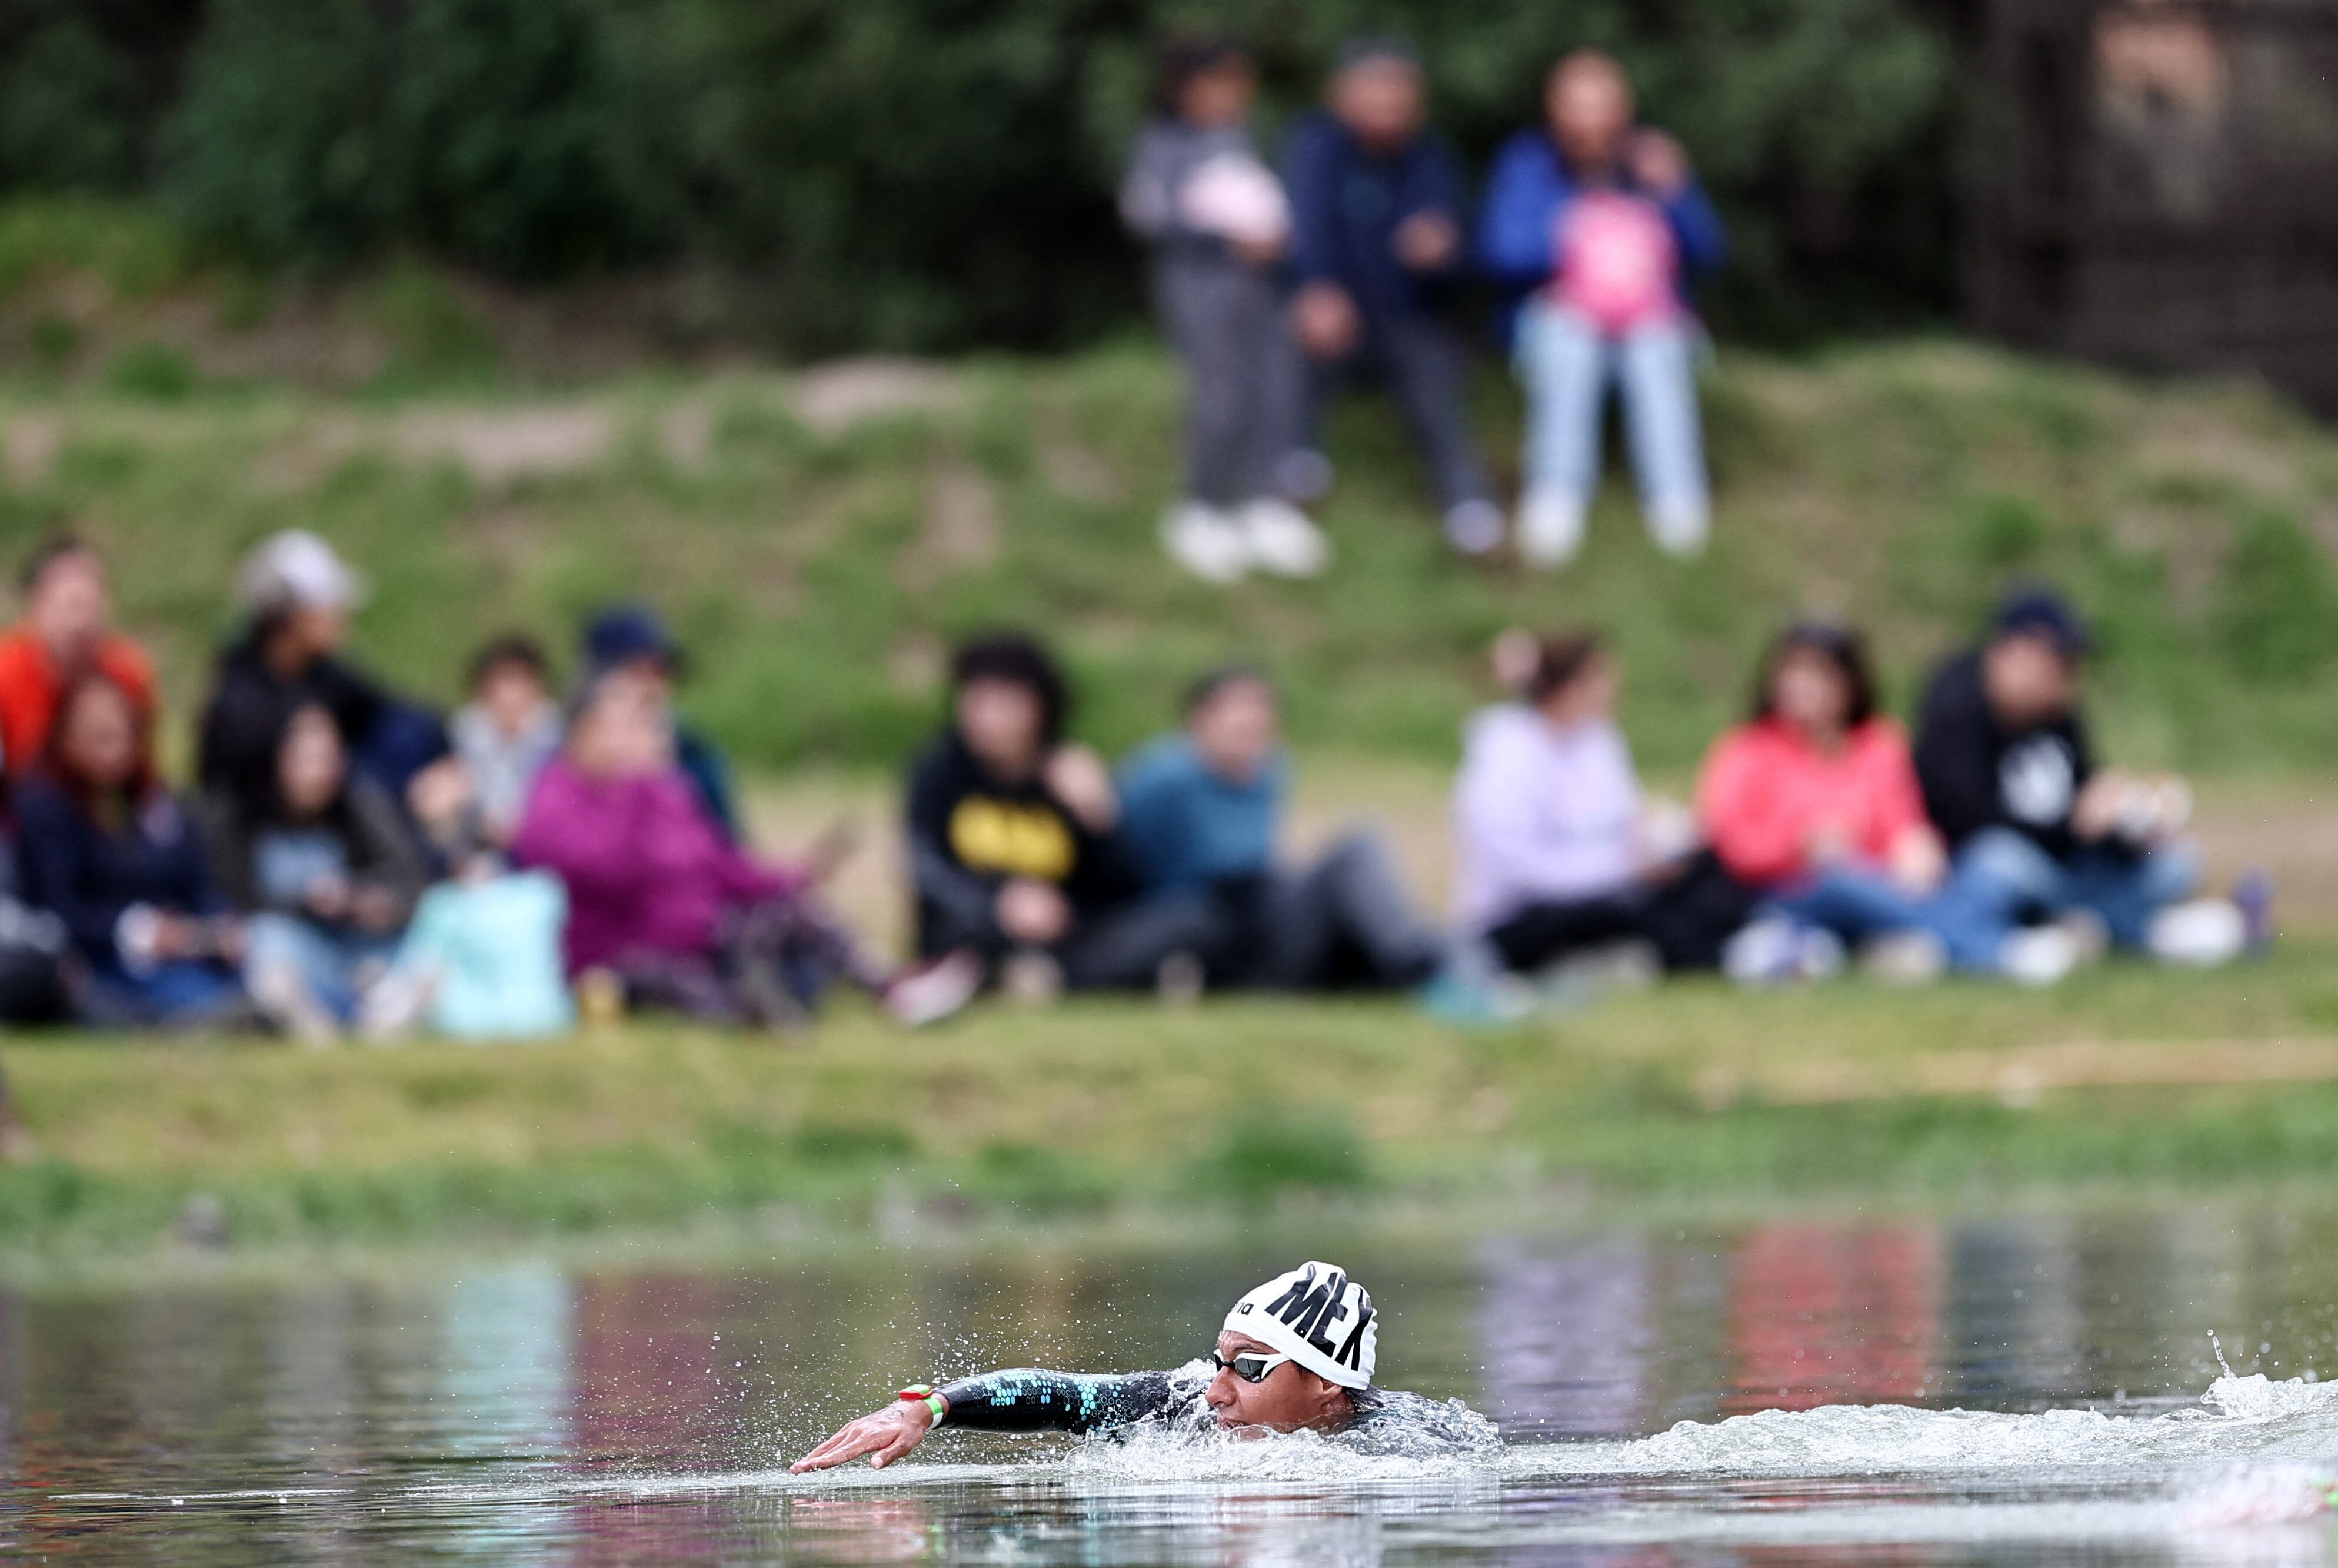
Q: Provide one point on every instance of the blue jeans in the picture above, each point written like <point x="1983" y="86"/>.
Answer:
<point x="1566" y="364"/>
<point x="2001" y="877"/>
<point x="1857" y="903"/>
<point x="329" y="960"/>
<point x="182" y="992"/>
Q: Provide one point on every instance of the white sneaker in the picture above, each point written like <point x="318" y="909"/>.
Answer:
<point x="1280" y="540"/>
<point x="1680" y="527"/>
<point x="930" y="993"/>
<point x="1206" y="542"/>
<point x="2038" y="955"/>
<point x="2201" y="934"/>
<point x="284" y="998"/>
<point x="1550" y="527"/>
<point x="1179" y="980"/>
<point x="1905" y="958"/>
<point x="1031" y="978"/>
<point x="394" y="1006"/>
<point x="1473" y="528"/>
<point x="1774" y="951"/>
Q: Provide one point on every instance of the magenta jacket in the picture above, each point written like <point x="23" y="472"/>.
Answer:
<point x="647" y="871"/>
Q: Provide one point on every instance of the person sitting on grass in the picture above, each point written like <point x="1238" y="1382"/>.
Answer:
<point x="298" y="595"/>
<point x="1377" y="248"/>
<point x="1015" y="849"/>
<point x="634" y="639"/>
<point x="1558" y="856"/>
<point x="1297" y="1354"/>
<point x="2039" y="833"/>
<point x="1814" y="803"/>
<point x="502" y="739"/>
<point x="1219" y="225"/>
<point x="663" y="907"/>
<point x="67" y="627"/>
<point x="325" y="867"/>
<point x="1597" y="223"/>
<point x="109" y="851"/>
<point x="1201" y="810"/>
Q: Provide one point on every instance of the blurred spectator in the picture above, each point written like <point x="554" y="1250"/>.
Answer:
<point x="472" y="800"/>
<point x="1598" y="221"/>
<point x="298" y="595"/>
<point x="659" y="897"/>
<point x="319" y="856"/>
<point x="1814" y="802"/>
<point x="481" y="959"/>
<point x="1376" y="241"/>
<point x="1014" y="842"/>
<point x="1556" y="852"/>
<point x="1219" y="225"/>
<point x="67" y="627"/>
<point x="634" y="639"/>
<point x="109" y="852"/>
<point x="2037" y="830"/>
<point x="1201" y="809"/>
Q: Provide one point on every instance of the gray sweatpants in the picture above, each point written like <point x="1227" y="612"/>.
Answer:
<point x="1349" y="898"/>
<point x="1244" y="379"/>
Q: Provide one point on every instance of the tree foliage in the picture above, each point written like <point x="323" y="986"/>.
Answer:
<point x="924" y="172"/>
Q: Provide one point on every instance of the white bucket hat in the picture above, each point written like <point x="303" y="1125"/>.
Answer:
<point x="297" y="570"/>
<point x="1319" y="1317"/>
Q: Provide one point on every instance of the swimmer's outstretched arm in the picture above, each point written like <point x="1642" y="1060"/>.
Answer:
<point x="1024" y="1399"/>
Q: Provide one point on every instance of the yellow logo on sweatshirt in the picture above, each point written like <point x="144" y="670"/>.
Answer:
<point x="1005" y="839"/>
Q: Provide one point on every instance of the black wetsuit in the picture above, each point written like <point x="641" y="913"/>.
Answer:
<point x="1031" y="1399"/>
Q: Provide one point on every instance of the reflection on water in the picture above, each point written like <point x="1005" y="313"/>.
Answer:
<point x="524" y="1412"/>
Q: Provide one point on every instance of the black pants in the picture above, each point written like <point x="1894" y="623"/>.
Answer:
<point x="1686" y="918"/>
<point x="1117" y="947"/>
<point x="1422" y="360"/>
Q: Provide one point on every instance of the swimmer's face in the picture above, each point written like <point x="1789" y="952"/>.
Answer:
<point x="1286" y="1399"/>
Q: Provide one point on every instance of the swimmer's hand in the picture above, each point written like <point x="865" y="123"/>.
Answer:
<point x="887" y="1435"/>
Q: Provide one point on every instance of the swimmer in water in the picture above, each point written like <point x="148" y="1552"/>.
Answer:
<point x="1296" y="1355"/>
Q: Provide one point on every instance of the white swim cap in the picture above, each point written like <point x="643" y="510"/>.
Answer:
<point x="1319" y="1317"/>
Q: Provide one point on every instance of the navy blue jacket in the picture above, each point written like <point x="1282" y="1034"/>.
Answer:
<point x="87" y="875"/>
<point x="1347" y="202"/>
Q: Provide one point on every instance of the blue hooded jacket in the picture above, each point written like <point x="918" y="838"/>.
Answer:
<point x="1347" y="202"/>
<point x="1530" y="186"/>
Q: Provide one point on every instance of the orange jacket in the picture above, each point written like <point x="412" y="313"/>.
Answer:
<point x="31" y="682"/>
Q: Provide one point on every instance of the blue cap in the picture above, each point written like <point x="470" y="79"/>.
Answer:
<point x="624" y="633"/>
<point x="2038" y="611"/>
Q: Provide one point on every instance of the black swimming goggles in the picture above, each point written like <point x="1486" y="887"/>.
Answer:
<point x="1250" y="1365"/>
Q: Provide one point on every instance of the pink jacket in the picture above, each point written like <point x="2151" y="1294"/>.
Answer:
<point x="1765" y="790"/>
<point x="648" y="871"/>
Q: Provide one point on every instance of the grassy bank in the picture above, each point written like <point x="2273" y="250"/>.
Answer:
<point x="820" y="538"/>
<point x="2125" y="1076"/>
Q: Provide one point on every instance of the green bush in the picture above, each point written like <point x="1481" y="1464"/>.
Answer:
<point x="1263" y="1156"/>
<point x="276" y="147"/>
<point x="134" y="249"/>
<point x="66" y="119"/>
<point x="928" y="173"/>
<point x="2276" y="612"/>
<point x="154" y="371"/>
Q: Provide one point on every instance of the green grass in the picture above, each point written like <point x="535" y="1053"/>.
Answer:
<point x="1236" y="1106"/>
<point x="818" y="554"/>
<point x="820" y="567"/>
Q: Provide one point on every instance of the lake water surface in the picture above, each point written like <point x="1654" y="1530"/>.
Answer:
<point x="2015" y="1389"/>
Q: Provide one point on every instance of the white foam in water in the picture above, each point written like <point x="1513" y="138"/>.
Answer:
<point x="2238" y="1417"/>
<point x="2243" y="1477"/>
